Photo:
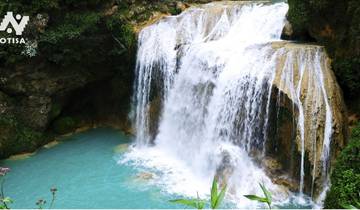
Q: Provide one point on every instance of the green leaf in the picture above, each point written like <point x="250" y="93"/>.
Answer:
<point x="193" y="203"/>
<point x="214" y="193"/>
<point x="357" y="204"/>
<point x="7" y="200"/>
<point x="266" y="193"/>
<point x="345" y="206"/>
<point x="256" y="198"/>
<point x="201" y="203"/>
<point x="220" y="197"/>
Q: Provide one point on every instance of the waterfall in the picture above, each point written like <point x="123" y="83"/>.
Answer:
<point x="211" y="74"/>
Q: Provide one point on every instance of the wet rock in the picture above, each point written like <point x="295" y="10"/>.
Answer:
<point x="121" y="148"/>
<point x="112" y="10"/>
<point x="287" y="32"/>
<point x="145" y="176"/>
<point x="314" y="104"/>
<point x="34" y="110"/>
<point x="51" y="144"/>
<point x="287" y="182"/>
<point x="180" y="6"/>
<point x="154" y="116"/>
<point x="272" y="164"/>
<point x="225" y="169"/>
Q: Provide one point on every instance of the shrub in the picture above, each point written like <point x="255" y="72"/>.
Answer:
<point x="345" y="177"/>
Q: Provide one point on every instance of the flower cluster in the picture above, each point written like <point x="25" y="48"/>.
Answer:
<point x="53" y="190"/>
<point x="40" y="202"/>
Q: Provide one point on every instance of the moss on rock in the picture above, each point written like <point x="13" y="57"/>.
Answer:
<point x="65" y="125"/>
<point x="17" y="138"/>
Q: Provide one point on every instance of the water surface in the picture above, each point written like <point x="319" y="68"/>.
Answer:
<point x="85" y="171"/>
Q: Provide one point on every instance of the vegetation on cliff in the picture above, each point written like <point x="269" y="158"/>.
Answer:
<point x="345" y="178"/>
<point x="335" y="24"/>
<point x="74" y="48"/>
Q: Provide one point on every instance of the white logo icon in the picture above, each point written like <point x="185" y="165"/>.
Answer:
<point x="18" y="27"/>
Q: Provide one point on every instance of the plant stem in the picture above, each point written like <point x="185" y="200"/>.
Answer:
<point x="52" y="201"/>
<point x="2" y="193"/>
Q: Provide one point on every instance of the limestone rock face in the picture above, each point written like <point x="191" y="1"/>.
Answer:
<point x="306" y="86"/>
<point x="34" y="89"/>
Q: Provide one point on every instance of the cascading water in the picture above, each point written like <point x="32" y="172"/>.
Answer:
<point x="213" y="71"/>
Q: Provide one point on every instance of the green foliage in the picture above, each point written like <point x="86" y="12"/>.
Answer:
<point x="77" y="32"/>
<point x="28" y="8"/>
<point x="267" y="199"/>
<point x="347" y="69"/>
<point x="82" y="3"/>
<point x="69" y="41"/>
<point x="10" y="54"/>
<point x="122" y="32"/>
<point x="174" y="11"/>
<point x="127" y="35"/>
<point x="351" y="206"/>
<point x="42" y="202"/>
<point x="192" y="203"/>
<point x="72" y="27"/>
<point x="298" y="15"/>
<point x="4" y="200"/>
<point x="345" y="177"/>
<point x="216" y="198"/>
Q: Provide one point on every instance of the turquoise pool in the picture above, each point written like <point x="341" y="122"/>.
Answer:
<point x="88" y="172"/>
<point x="85" y="171"/>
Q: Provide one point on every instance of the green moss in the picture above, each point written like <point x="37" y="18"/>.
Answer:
<point x="174" y="11"/>
<point x="121" y="31"/>
<point x="55" y="111"/>
<point x="347" y="70"/>
<point x="298" y="15"/>
<point x="17" y="138"/>
<point x="72" y="27"/>
<point x="345" y="178"/>
<point x="65" y="125"/>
